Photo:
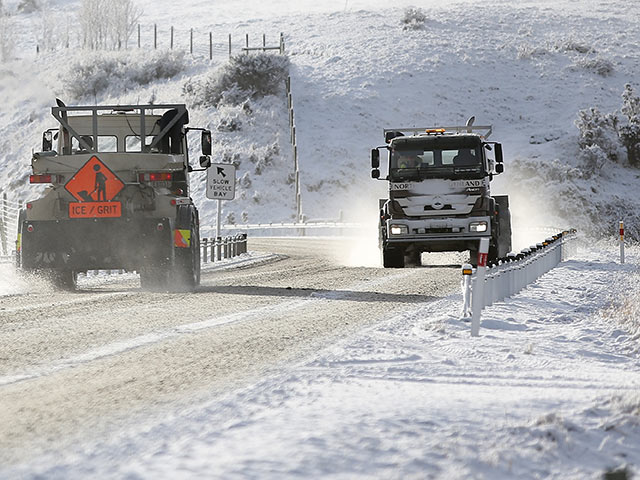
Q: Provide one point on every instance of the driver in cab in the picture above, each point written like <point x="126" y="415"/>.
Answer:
<point x="407" y="161"/>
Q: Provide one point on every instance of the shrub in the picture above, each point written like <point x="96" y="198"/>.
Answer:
<point x="598" y="65"/>
<point x="244" y="77"/>
<point x="630" y="133"/>
<point x="29" y="6"/>
<point x="414" y="18"/>
<point x="598" y="129"/>
<point x="95" y="74"/>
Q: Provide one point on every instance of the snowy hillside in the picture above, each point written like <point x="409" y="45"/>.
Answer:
<point x="525" y="67"/>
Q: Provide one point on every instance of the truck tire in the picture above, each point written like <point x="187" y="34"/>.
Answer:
<point x="187" y="260"/>
<point x="63" y="279"/>
<point x="392" y="258"/>
<point x="187" y="267"/>
<point x="503" y="242"/>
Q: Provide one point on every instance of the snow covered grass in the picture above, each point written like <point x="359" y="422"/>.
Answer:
<point x="549" y="390"/>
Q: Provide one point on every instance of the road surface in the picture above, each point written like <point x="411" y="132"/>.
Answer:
<point x="76" y="365"/>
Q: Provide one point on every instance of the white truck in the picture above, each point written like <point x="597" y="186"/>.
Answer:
<point x="439" y="195"/>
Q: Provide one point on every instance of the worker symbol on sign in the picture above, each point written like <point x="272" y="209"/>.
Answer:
<point x="94" y="182"/>
<point x="100" y="184"/>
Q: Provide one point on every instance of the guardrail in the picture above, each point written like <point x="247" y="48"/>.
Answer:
<point x="216" y="249"/>
<point x="508" y="276"/>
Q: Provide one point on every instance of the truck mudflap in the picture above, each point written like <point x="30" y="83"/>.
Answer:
<point x="91" y="244"/>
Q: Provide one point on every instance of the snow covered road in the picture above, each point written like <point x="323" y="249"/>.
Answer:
<point x="549" y="390"/>
<point x="74" y="364"/>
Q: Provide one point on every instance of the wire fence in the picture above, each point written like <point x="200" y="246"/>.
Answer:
<point x="199" y="43"/>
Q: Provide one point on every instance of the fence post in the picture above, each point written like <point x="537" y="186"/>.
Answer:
<point x="191" y="41"/>
<point x="229" y="45"/>
<point x="219" y="248"/>
<point x="264" y="42"/>
<point x="210" y="46"/>
<point x="139" y="36"/>
<point x="477" y="298"/>
<point x="621" y="241"/>
<point x="155" y="36"/>
<point x="247" y="43"/>
<point x="171" y="43"/>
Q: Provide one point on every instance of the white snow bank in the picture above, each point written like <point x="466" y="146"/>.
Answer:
<point x="549" y="390"/>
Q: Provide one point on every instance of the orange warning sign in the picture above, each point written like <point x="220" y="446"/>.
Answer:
<point x="95" y="209"/>
<point x="94" y="182"/>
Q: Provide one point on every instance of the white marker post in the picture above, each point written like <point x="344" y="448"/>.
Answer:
<point x="467" y="270"/>
<point x="621" y="241"/>
<point x="477" y="296"/>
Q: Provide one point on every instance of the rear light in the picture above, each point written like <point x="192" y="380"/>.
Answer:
<point x="173" y="202"/>
<point x="155" y="177"/>
<point x="46" y="178"/>
<point x="160" y="227"/>
<point x="29" y="228"/>
<point x="42" y="178"/>
<point x="29" y="206"/>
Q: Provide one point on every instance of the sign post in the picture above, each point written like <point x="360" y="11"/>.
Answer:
<point x="221" y="185"/>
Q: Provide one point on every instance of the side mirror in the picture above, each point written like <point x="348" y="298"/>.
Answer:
<point x="498" y="153"/>
<point x="206" y="142"/>
<point x="375" y="158"/>
<point x="47" y="141"/>
<point x="375" y="173"/>
<point x="205" y="161"/>
<point x="499" y="167"/>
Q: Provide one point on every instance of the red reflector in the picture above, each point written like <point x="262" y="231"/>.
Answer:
<point x="40" y="178"/>
<point x="29" y="228"/>
<point x="173" y="202"/>
<point x="29" y="206"/>
<point x="160" y="227"/>
<point x="155" y="177"/>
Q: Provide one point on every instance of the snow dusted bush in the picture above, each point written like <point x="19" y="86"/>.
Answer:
<point x="598" y="130"/>
<point x="602" y="135"/>
<point x="414" y="18"/>
<point x="97" y="73"/>
<point x="107" y="24"/>
<point x="598" y="65"/>
<point x="244" y="77"/>
<point x="630" y="133"/>
<point x="29" y="6"/>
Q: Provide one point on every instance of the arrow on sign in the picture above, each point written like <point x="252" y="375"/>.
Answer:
<point x="221" y="172"/>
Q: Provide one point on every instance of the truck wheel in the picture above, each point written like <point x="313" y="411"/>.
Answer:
<point x="503" y="242"/>
<point x="188" y="261"/>
<point x="392" y="258"/>
<point x="63" y="279"/>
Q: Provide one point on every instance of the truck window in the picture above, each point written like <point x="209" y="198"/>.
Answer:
<point x="132" y="143"/>
<point x="106" y="143"/>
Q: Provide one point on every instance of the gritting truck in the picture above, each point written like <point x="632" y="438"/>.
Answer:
<point x="439" y="195"/>
<point x="117" y="196"/>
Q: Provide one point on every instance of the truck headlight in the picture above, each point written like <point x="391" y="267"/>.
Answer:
<point x="478" y="227"/>
<point x="398" y="229"/>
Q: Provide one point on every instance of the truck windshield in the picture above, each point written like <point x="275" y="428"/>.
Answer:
<point x="415" y="163"/>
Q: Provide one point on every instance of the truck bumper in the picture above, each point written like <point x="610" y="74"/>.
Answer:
<point x="436" y="235"/>
<point x="89" y="244"/>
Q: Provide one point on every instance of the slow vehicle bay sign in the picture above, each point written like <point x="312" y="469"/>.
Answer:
<point x="221" y="181"/>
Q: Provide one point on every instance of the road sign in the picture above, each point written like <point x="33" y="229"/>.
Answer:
<point x="221" y="181"/>
<point x="94" y="182"/>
